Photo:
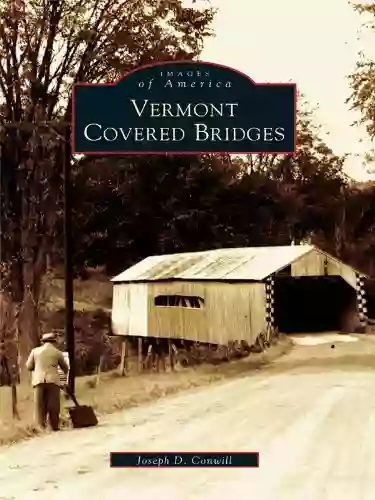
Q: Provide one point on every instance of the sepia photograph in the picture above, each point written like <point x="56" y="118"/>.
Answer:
<point x="187" y="249"/>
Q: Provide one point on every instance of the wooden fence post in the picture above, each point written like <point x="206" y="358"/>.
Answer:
<point x="140" y="355"/>
<point x="171" y="355"/>
<point x="99" y="369"/>
<point x="123" y="357"/>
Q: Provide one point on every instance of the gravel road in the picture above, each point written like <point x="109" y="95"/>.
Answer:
<point x="311" y="416"/>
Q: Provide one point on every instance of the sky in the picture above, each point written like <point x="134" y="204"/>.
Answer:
<point x="313" y="43"/>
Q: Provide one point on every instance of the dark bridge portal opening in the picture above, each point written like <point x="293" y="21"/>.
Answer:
<point x="311" y="304"/>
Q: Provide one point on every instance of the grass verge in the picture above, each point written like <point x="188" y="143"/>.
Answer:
<point x="111" y="393"/>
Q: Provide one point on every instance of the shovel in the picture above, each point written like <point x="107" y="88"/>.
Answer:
<point x="81" y="416"/>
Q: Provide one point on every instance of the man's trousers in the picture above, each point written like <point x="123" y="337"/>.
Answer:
<point x="47" y="405"/>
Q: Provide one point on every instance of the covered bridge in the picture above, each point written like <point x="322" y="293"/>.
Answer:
<point x="236" y="294"/>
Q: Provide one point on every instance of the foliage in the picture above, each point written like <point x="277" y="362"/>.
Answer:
<point x="362" y="80"/>
<point x="45" y="47"/>
<point x="128" y="208"/>
<point x="93" y="341"/>
<point x="362" y="83"/>
<point x="361" y="207"/>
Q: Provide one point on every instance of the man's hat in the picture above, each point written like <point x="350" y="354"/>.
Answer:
<point x="49" y="337"/>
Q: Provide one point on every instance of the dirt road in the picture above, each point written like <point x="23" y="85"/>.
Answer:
<point x="311" y="416"/>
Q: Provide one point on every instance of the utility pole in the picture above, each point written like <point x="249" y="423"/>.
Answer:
<point x="340" y="225"/>
<point x="343" y="221"/>
<point x="68" y="253"/>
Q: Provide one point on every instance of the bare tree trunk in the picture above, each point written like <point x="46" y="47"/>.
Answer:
<point x="39" y="184"/>
<point x="28" y="331"/>
<point x="8" y="347"/>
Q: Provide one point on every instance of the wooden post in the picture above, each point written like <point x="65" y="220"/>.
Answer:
<point x="126" y="356"/>
<point x="126" y="364"/>
<point x="140" y="355"/>
<point x="171" y="354"/>
<point x="157" y="362"/>
<point x="158" y="354"/>
<point x="99" y="370"/>
<point x="123" y="357"/>
<point x="15" y="413"/>
<point x="148" y="363"/>
<point x="68" y="261"/>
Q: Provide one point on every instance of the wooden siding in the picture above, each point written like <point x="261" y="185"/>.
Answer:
<point x="237" y="312"/>
<point x="336" y="268"/>
<point x="129" y="309"/>
<point x="311" y="264"/>
<point x="230" y="312"/>
<point x="177" y="322"/>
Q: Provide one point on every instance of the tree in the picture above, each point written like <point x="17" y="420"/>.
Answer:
<point x="8" y="340"/>
<point x="362" y="100"/>
<point x="362" y="80"/>
<point x="45" y="47"/>
<point x="308" y="182"/>
<point x="137" y="206"/>
<point x="131" y="207"/>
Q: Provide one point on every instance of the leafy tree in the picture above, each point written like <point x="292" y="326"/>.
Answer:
<point x="135" y="207"/>
<point x="309" y="183"/>
<point x="46" y="46"/>
<point x="362" y="80"/>
<point x="361" y="206"/>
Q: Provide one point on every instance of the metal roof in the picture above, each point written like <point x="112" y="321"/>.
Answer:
<point x="253" y="264"/>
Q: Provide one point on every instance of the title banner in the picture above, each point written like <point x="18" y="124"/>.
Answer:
<point x="184" y="108"/>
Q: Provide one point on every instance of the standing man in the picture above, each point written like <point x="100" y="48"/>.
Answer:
<point x="44" y="362"/>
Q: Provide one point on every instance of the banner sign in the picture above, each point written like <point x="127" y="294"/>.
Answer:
<point x="184" y="459"/>
<point x="184" y="108"/>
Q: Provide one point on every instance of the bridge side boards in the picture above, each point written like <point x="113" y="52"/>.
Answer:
<point x="361" y="298"/>
<point x="270" y="301"/>
<point x="270" y="306"/>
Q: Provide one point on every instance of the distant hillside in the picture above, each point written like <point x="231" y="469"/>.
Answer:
<point x="364" y="185"/>
<point x="89" y="295"/>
